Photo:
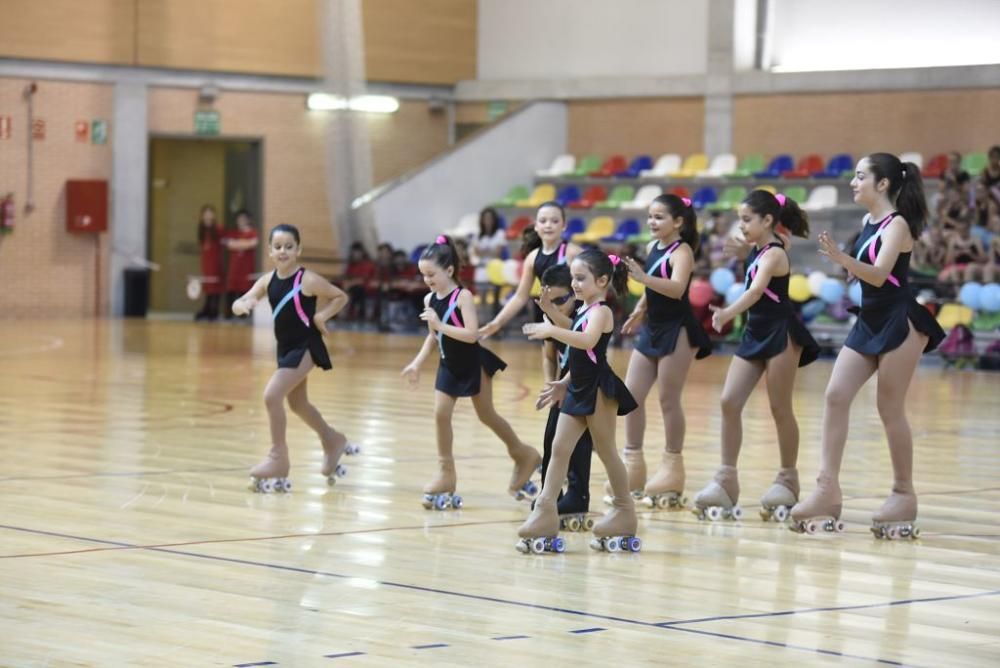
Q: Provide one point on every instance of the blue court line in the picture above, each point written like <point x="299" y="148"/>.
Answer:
<point x="431" y="646"/>
<point x="594" y="629"/>
<point x="260" y="663"/>
<point x="844" y="608"/>
<point x="510" y="638"/>
<point x="491" y="599"/>
<point x="342" y="655"/>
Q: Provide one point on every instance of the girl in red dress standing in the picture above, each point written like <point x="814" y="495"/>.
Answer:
<point x="241" y="243"/>
<point x="210" y="243"/>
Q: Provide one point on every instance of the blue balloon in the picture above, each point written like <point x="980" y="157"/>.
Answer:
<point x="734" y="292"/>
<point x="813" y="308"/>
<point x="989" y="297"/>
<point x="722" y="279"/>
<point x="831" y="291"/>
<point x="970" y="295"/>
<point x="854" y="292"/>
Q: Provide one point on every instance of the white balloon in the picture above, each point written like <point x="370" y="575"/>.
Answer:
<point x="816" y="279"/>
<point x="512" y="271"/>
<point x="193" y="289"/>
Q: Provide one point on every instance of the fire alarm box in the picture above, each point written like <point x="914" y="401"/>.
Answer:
<point x="87" y="206"/>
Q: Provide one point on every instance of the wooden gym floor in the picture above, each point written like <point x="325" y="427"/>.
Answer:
<point x="129" y="537"/>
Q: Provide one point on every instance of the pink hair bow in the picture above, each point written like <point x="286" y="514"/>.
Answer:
<point x="780" y="198"/>
<point x="614" y="259"/>
<point x="686" y="201"/>
<point x="441" y="239"/>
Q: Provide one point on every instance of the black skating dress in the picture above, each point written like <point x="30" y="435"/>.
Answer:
<point x="542" y="262"/>
<point x="667" y="317"/>
<point x="459" y="371"/>
<point x="773" y="318"/>
<point x="590" y="373"/>
<point x="294" y="328"/>
<point x="886" y="311"/>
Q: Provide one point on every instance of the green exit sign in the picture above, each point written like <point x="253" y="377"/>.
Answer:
<point x="206" y="122"/>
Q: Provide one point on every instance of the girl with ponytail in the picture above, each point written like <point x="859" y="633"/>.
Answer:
<point x="890" y="334"/>
<point x="775" y="343"/>
<point x="670" y="338"/>
<point x="591" y="395"/>
<point x="466" y="370"/>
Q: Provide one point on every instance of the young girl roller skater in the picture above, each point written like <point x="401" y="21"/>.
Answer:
<point x="466" y="370"/>
<point x="774" y="343"/>
<point x="301" y="302"/>
<point x="591" y="396"/>
<point x="669" y="340"/>
<point x="558" y="304"/>
<point x="890" y="334"/>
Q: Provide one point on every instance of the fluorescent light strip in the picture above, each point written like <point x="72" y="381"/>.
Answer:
<point x="375" y="104"/>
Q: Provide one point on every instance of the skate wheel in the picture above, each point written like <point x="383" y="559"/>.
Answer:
<point x="915" y="534"/>
<point x="780" y="514"/>
<point x="440" y="502"/>
<point x="573" y="524"/>
<point x="596" y="544"/>
<point x="588" y="524"/>
<point x="558" y="545"/>
<point x="893" y="533"/>
<point x="537" y="545"/>
<point x="681" y="502"/>
<point x="838" y="526"/>
<point x="649" y="502"/>
<point x="530" y="488"/>
<point x="340" y="471"/>
<point x="637" y="494"/>
<point x="736" y="513"/>
<point x="286" y="485"/>
<point x="352" y="449"/>
<point x="608" y="501"/>
<point x="456" y="502"/>
<point x="614" y="544"/>
<point x="811" y="528"/>
<point x="634" y="544"/>
<point x="428" y="502"/>
<point x="521" y="546"/>
<point x="662" y="502"/>
<point x="714" y="513"/>
<point x="267" y="486"/>
<point x="765" y="515"/>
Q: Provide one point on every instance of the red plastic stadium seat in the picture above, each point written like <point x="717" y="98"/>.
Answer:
<point x="611" y="166"/>
<point x="517" y="227"/>
<point x="591" y="196"/>
<point x="935" y="168"/>
<point x="809" y="165"/>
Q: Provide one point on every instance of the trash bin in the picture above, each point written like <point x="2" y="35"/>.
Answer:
<point x="136" y="292"/>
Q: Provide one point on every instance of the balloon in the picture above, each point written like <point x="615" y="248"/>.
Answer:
<point x="701" y="292"/>
<point x="798" y="288"/>
<point x="494" y="271"/>
<point x="989" y="298"/>
<point x="832" y="291"/>
<point x="193" y="288"/>
<point x="536" y="288"/>
<point x="511" y="272"/>
<point x="854" y="292"/>
<point x="635" y="288"/>
<point x="734" y="292"/>
<point x="812" y="308"/>
<point x="721" y="279"/>
<point x="970" y="294"/>
<point x="816" y="279"/>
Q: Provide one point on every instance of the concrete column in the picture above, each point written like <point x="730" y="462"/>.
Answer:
<point x="129" y="184"/>
<point x="719" y="78"/>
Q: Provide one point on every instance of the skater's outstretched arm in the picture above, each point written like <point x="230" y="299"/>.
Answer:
<point x="601" y="321"/>
<point x="555" y="316"/>
<point x="771" y="264"/>
<point x="245" y="304"/>
<point x="517" y="301"/>
<point x="893" y="243"/>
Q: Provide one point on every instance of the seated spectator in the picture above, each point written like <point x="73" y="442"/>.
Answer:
<point x="929" y="252"/>
<point x="990" y="178"/>
<point x="359" y="281"/>
<point x="407" y="285"/>
<point x="964" y="255"/>
<point x="488" y="245"/>
<point x="467" y="274"/>
<point x="953" y="173"/>
<point x="951" y="209"/>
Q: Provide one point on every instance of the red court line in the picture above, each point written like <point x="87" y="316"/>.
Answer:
<point x="124" y="546"/>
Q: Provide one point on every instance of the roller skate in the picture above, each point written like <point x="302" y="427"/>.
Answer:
<point x="271" y="475"/>
<point x="526" y="462"/>
<point x="572" y="510"/>
<point x="635" y="464"/>
<point x="439" y="493"/>
<point x="896" y="518"/>
<point x="820" y="511"/>
<point x="615" y="532"/>
<point x="540" y="532"/>
<point x="332" y="469"/>
<point x="778" y="500"/>
<point x="352" y="449"/>
<point x="718" y="499"/>
<point x="666" y="488"/>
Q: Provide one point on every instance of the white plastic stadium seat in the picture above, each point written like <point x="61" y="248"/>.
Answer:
<point x="562" y="165"/>
<point x="913" y="157"/>
<point x="468" y="225"/>
<point x="821" y="197"/>
<point x="643" y="197"/>
<point x="722" y="165"/>
<point x="666" y="164"/>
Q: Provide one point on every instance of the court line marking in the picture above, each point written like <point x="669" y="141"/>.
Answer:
<point x="491" y="599"/>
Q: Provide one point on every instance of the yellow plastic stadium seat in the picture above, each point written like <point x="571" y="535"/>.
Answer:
<point x="600" y="227"/>
<point x="543" y="193"/>
<point x="951" y="315"/>
<point x="693" y="164"/>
